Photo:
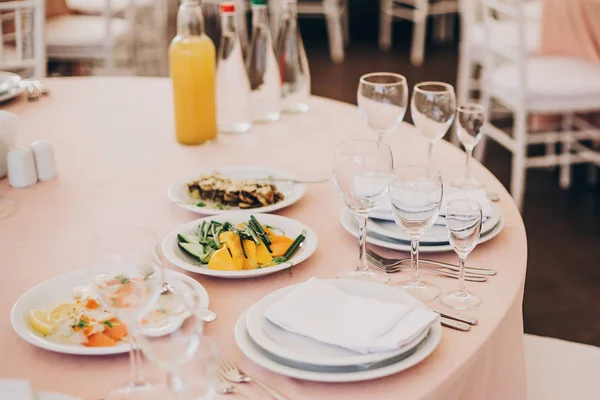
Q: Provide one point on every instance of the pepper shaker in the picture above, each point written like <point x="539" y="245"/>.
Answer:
<point x="45" y="163"/>
<point x="21" y="168"/>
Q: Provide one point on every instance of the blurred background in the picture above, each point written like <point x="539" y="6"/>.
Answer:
<point x="422" y="40"/>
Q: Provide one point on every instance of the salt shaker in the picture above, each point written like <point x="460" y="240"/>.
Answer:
<point x="8" y="138"/>
<point x="45" y="163"/>
<point x="21" y="168"/>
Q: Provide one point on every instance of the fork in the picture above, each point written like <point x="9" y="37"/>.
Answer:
<point x="33" y="94"/>
<point x="227" y="388"/>
<point x="233" y="374"/>
<point x="390" y="263"/>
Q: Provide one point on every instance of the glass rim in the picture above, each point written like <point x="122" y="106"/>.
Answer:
<point x="448" y="87"/>
<point x="348" y="141"/>
<point x="467" y="201"/>
<point x="416" y="166"/>
<point x="401" y="79"/>
<point x="471" y="108"/>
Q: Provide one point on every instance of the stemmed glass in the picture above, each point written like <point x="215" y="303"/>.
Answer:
<point x="170" y="334"/>
<point x="382" y="99"/>
<point x="361" y="170"/>
<point x="127" y="275"/>
<point x="415" y="199"/>
<point x="432" y="107"/>
<point x="463" y="219"/>
<point x="470" y="118"/>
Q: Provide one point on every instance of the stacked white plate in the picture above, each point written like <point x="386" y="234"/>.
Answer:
<point x="9" y="86"/>
<point x="299" y="357"/>
<point x="385" y="233"/>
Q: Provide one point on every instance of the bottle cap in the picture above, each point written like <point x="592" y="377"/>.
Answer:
<point x="259" y="2"/>
<point x="227" y="7"/>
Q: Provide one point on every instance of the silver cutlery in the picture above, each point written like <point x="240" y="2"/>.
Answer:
<point x="224" y="387"/>
<point x="233" y="374"/>
<point x="468" y="277"/>
<point x="40" y="86"/>
<point x="207" y="315"/>
<point x="390" y="263"/>
<point x="457" y="316"/>
<point x="458" y="325"/>
<point x="302" y="181"/>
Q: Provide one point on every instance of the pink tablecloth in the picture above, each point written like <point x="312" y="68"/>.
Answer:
<point x="117" y="155"/>
<point x="571" y="28"/>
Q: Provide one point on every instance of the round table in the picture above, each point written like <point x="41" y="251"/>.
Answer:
<point x="117" y="155"/>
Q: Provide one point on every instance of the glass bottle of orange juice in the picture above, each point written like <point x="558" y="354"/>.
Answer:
<point x="192" y="66"/>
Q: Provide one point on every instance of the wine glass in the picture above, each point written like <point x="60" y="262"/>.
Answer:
<point x="382" y="99"/>
<point x="463" y="219"/>
<point x="470" y="119"/>
<point x="361" y="170"/>
<point x="432" y="107"/>
<point x="415" y="199"/>
<point x="127" y="276"/>
<point x="170" y="333"/>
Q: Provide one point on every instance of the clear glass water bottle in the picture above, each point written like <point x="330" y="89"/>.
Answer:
<point x="292" y="61"/>
<point x="233" y="87"/>
<point x="262" y="67"/>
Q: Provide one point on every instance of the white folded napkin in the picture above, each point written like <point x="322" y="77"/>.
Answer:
<point x="320" y="311"/>
<point x="383" y="210"/>
<point x="15" y="389"/>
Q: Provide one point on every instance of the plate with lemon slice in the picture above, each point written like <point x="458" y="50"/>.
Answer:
<point x="63" y="315"/>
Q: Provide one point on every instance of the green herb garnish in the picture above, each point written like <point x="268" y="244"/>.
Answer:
<point x="200" y="204"/>
<point x="108" y="323"/>
<point x="81" y="323"/>
<point x="123" y="279"/>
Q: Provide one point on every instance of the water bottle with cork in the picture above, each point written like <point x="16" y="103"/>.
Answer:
<point x="263" y="71"/>
<point x="233" y="87"/>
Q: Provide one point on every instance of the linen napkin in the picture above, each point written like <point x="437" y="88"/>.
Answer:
<point x="320" y="311"/>
<point x="383" y="210"/>
<point x="15" y="389"/>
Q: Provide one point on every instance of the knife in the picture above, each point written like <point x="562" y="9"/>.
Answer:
<point x="457" y="316"/>
<point x="450" y="323"/>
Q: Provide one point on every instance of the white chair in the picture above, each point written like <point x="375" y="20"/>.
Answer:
<point x="559" y="370"/>
<point x="336" y="16"/>
<point x="418" y="12"/>
<point x="147" y="20"/>
<point x="22" y="37"/>
<point x="536" y="85"/>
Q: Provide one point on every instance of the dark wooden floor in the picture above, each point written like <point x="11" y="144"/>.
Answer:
<point x="562" y="291"/>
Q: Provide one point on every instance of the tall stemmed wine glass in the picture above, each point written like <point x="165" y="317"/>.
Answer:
<point x="170" y="335"/>
<point x="470" y="118"/>
<point x="415" y="199"/>
<point x="432" y="107"/>
<point x="382" y="99"/>
<point x="127" y="275"/>
<point x="361" y="170"/>
<point x="463" y="219"/>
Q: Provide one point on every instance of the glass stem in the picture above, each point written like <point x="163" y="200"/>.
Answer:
<point x="135" y="358"/>
<point x="430" y="155"/>
<point x="175" y="383"/>
<point x="461" y="275"/>
<point x="468" y="169"/>
<point x="414" y="261"/>
<point x="362" y="241"/>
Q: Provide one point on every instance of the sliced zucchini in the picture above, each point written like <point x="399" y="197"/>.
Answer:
<point x="188" y="238"/>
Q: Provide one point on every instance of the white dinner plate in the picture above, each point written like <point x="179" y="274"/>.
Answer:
<point x="290" y="227"/>
<point x="59" y="289"/>
<point x="337" y="374"/>
<point x="300" y="349"/>
<point x="437" y="234"/>
<point x="350" y="225"/>
<point x="179" y="193"/>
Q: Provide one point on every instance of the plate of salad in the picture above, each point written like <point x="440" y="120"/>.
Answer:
<point x="240" y="245"/>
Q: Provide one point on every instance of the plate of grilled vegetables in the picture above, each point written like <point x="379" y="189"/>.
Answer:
<point x="239" y="245"/>
<point x="231" y="189"/>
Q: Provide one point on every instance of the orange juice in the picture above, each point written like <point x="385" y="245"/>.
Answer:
<point x="192" y="67"/>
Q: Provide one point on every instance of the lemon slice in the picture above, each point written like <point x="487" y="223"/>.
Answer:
<point x="39" y="321"/>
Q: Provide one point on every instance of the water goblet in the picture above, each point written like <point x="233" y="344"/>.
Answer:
<point x="432" y="108"/>
<point x="127" y="276"/>
<point x="463" y="219"/>
<point x="382" y="99"/>
<point x="470" y="118"/>
<point x="415" y="199"/>
<point x="361" y="170"/>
